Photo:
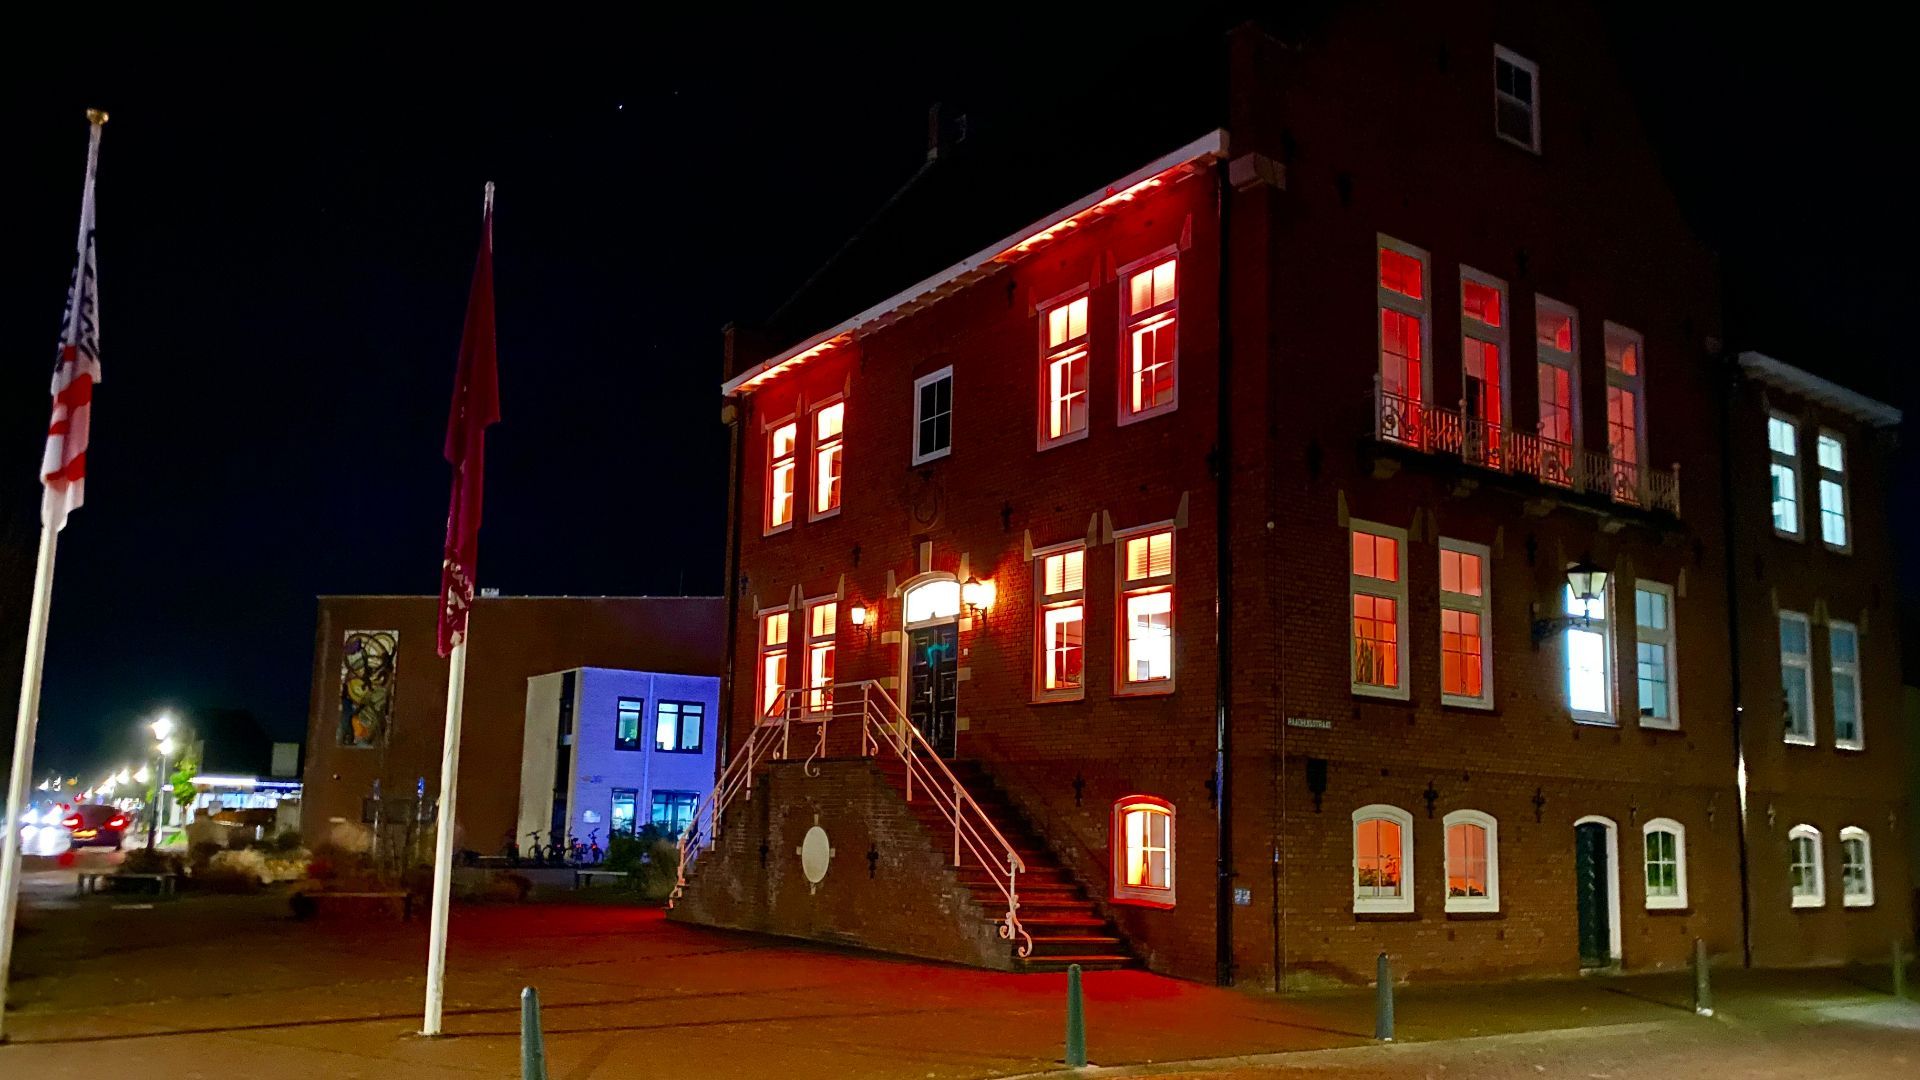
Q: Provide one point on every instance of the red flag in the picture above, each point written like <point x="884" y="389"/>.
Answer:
<point x="476" y="404"/>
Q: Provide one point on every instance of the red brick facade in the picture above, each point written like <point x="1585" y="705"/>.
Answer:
<point x="1330" y="144"/>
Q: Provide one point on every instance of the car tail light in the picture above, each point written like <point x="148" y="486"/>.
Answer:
<point x="117" y="821"/>
<point x="72" y="821"/>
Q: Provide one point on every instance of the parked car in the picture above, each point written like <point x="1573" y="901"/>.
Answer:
<point x="95" y="825"/>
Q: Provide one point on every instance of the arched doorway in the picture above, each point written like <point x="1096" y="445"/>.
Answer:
<point x="1596" y="872"/>
<point x="931" y="658"/>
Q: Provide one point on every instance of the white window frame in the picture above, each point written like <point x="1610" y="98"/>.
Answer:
<point x="1500" y="337"/>
<point x="1500" y="53"/>
<point x="1491" y="901"/>
<point x="816" y="480"/>
<point x="1791" y="463"/>
<point x="1393" y="590"/>
<point x="1803" y="662"/>
<point x="1124" y="684"/>
<point x="1839" y="669"/>
<point x="1838" y="479"/>
<point x="1044" y="602"/>
<point x="792" y="458"/>
<point x="1143" y="895"/>
<point x="1678" y="901"/>
<point x="1856" y="900"/>
<point x="1635" y="383"/>
<point x="818" y="694"/>
<point x="1384" y="905"/>
<point x="1669" y="640"/>
<point x="1083" y="347"/>
<point x="1482" y="606"/>
<point x="769" y="651"/>
<point x="952" y="408"/>
<point x="1818" y="898"/>
<point x="1552" y="356"/>
<point x="1608" y="653"/>
<point x="1420" y="309"/>
<point x="1128" y="319"/>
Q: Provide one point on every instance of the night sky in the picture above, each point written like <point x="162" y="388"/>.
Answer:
<point x="287" y="225"/>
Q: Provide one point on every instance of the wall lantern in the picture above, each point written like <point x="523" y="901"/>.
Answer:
<point x="862" y="620"/>
<point x="977" y="595"/>
<point x="1588" y="585"/>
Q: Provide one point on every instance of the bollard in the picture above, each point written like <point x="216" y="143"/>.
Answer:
<point x="1076" y="1021"/>
<point x="1702" y="989"/>
<point x="1383" y="1000"/>
<point x="533" y="1047"/>
<point x="1899" y="970"/>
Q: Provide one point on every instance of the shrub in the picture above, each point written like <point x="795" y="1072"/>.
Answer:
<point x="203" y="852"/>
<point x="142" y="861"/>
<point x="219" y="878"/>
<point x="246" y="861"/>
<point x="285" y="840"/>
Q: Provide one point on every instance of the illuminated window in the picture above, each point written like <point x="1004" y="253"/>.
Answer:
<point x="1060" y="630"/>
<point x="1063" y="372"/>
<point x="1796" y="677"/>
<point x="673" y="810"/>
<point x="933" y="600"/>
<point x="1557" y="331"/>
<point x="1843" y="648"/>
<point x="1473" y="861"/>
<point x="821" y="619"/>
<point x="1666" y="863"/>
<point x="782" y="443"/>
<point x="933" y="416"/>
<point x="678" y="727"/>
<point x="1589" y="656"/>
<point x="1653" y="644"/>
<point x="1783" y="453"/>
<point x="1143" y="851"/>
<point x="1151" y="368"/>
<point x="829" y="424"/>
<point x="1831" y="455"/>
<point x="1146" y="611"/>
<point x="1382" y="859"/>
<point x="1378" y="585"/>
<point x="1483" y="351"/>
<point x="626" y="723"/>
<point x="1516" y="98"/>
<point x="1806" y="877"/>
<point x="624" y="806"/>
<point x="1404" y="309"/>
<point x="1626" y="411"/>
<point x="773" y="663"/>
<point x="1466" y="662"/>
<point x="1856" y="867"/>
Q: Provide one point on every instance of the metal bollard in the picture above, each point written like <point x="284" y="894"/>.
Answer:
<point x="1076" y="1021"/>
<point x="1702" y="989"/>
<point x="1383" y="1000"/>
<point x="533" y="1046"/>
<point x="1899" y="970"/>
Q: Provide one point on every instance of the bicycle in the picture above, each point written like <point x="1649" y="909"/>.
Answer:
<point x="594" y="853"/>
<point x="509" y="850"/>
<point x="535" y="854"/>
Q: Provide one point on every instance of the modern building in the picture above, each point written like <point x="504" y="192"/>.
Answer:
<point x="1344" y="528"/>
<point x="607" y="752"/>
<point x="378" y="712"/>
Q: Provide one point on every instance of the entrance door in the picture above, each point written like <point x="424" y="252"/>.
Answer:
<point x="1592" y="879"/>
<point x="933" y="658"/>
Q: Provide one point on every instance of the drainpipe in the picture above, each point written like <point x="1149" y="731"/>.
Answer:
<point x="1729" y="542"/>
<point x="1223" y="596"/>
<point x="732" y="415"/>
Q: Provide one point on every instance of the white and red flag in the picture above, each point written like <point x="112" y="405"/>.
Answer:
<point x="64" y="468"/>
<point x="476" y="405"/>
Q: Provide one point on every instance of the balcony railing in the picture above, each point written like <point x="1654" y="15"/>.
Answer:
<point x="1430" y="429"/>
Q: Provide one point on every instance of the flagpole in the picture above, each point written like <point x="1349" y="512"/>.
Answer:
<point x="443" y="839"/>
<point x="27" y="721"/>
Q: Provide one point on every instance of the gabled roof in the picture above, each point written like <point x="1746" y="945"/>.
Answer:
<point x="1824" y="391"/>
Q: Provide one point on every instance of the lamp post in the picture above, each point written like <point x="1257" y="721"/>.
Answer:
<point x="162" y="732"/>
<point x="1588" y="583"/>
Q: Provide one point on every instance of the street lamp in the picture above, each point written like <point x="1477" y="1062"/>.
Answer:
<point x="163" y="734"/>
<point x="1588" y="584"/>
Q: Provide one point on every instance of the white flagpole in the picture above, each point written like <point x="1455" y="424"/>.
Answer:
<point x="443" y="836"/>
<point x="27" y="721"/>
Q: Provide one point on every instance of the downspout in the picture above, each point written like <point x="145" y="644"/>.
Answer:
<point x="1729" y="542"/>
<point x="1223" y="595"/>
<point x="731" y="414"/>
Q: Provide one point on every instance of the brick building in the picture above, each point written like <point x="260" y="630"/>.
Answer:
<point x="1344" y="530"/>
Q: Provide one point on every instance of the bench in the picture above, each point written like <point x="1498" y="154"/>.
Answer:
<point x="89" y="881"/>
<point x="585" y="878"/>
<point x="309" y="904"/>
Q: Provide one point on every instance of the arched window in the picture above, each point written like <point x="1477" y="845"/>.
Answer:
<point x="1808" y="879"/>
<point x="1142" y="848"/>
<point x="1856" y="867"/>
<point x="1666" y="863"/>
<point x="1473" y="861"/>
<point x="934" y="600"/>
<point x="1382" y="859"/>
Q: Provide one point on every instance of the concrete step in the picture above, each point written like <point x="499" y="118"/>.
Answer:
<point x="1039" y="965"/>
<point x="1075" y="945"/>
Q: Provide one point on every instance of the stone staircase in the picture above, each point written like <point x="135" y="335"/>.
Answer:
<point x="1065" y="923"/>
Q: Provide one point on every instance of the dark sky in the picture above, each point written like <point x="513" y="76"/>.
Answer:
<point x="287" y="225"/>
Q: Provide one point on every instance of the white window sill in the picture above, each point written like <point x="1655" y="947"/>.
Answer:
<point x="1389" y="693"/>
<point x="1594" y="719"/>
<point x="1809" y="901"/>
<point x="935" y="456"/>
<point x="1858" y="901"/>
<point x="1666" y="903"/>
<point x="1397" y="906"/>
<point x="1148" y="414"/>
<point x="1470" y="905"/>
<point x="1652" y="724"/>
<point x="1855" y="746"/>
<point x="1046" y="443"/>
<point x="824" y="514"/>
<point x="1485" y="704"/>
<point x="1798" y="740"/>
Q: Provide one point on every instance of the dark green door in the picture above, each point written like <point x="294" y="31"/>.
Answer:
<point x="933" y="684"/>
<point x="1591" y="878"/>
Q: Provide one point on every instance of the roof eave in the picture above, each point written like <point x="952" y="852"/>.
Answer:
<point x="1815" y="388"/>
